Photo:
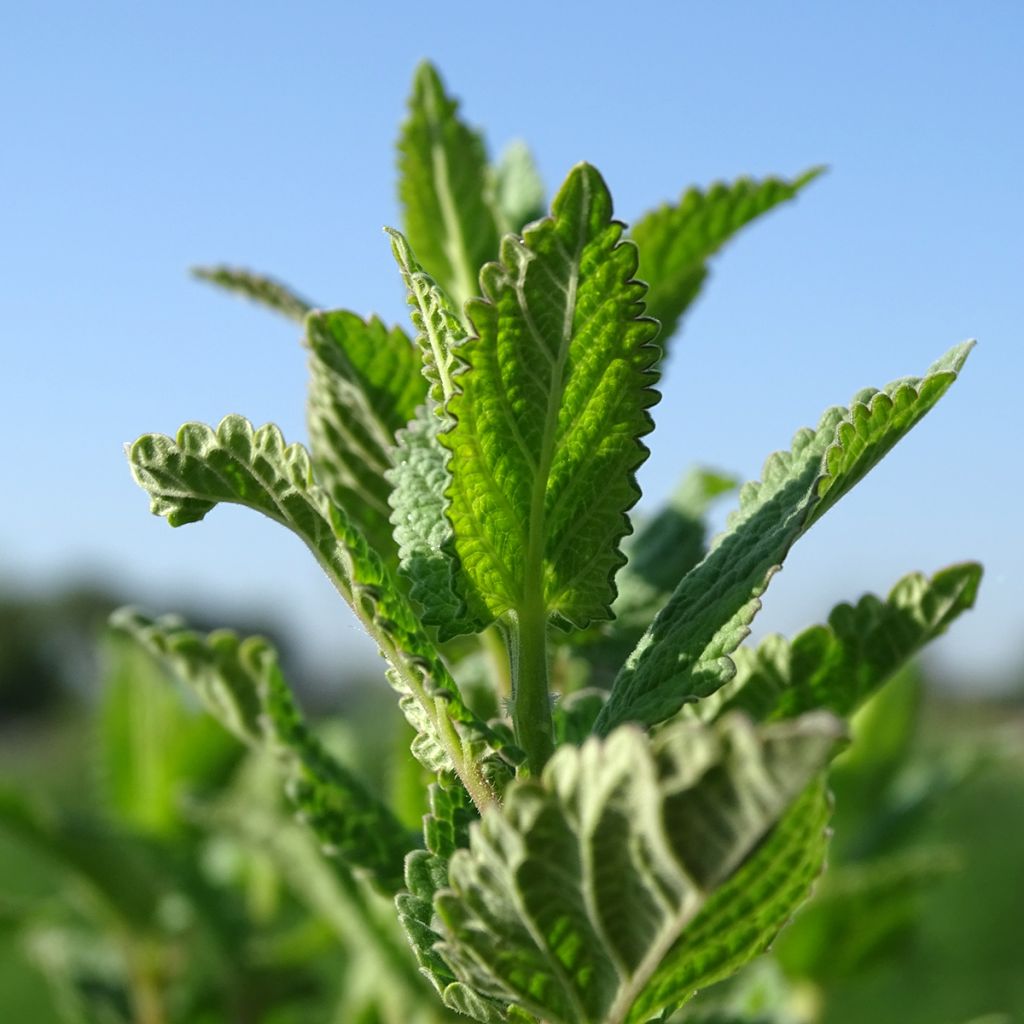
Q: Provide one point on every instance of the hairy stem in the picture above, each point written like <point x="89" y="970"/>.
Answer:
<point x="531" y="702"/>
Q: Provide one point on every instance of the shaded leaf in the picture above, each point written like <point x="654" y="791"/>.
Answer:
<point x="365" y="385"/>
<point x="572" y="895"/>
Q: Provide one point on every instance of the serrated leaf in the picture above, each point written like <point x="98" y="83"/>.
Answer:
<point x="663" y="551"/>
<point x="685" y="654"/>
<point x="423" y="533"/>
<point x="551" y="409"/>
<point x="365" y="385"/>
<point x="426" y="872"/>
<point x="241" y="683"/>
<point x="838" y="666"/>
<point x="267" y="291"/>
<point x="443" y="187"/>
<point x="439" y="331"/>
<point x="571" y="896"/>
<point x="518" y="192"/>
<point x="188" y="476"/>
<point x="677" y="240"/>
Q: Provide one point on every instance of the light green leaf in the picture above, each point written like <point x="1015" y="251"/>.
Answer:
<point x="838" y="666"/>
<point x="365" y="386"/>
<point x="241" y="684"/>
<point x="421" y="529"/>
<point x="265" y="290"/>
<point x="444" y="189"/>
<point x="551" y="409"/>
<point x="153" y="749"/>
<point x="685" y="653"/>
<point x="187" y="476"/>
<point x="439" y="331"/>
<point x="518" y="192"/>
<point x="677" y="240"/>
<point x="573" y="894"/>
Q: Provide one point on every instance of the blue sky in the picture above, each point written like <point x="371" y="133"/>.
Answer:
<point x="142" y="138"/>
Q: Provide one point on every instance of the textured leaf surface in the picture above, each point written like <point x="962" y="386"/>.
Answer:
<point x="838" y="666"/>
<point x="550" y="413"/>
<point x="261" y="289"/>
<point x="426" y="544"/>
<point x="685" y="653"/>
<point x="445" y="829"/>
<point x="365" y="385"/>
<point x="743" y="917"/>
<point x="439" y="331"/>
<point x="420" y="477"/>
<point x="677" y="240"/>
<point x="241" y="684"/>
<point x="444" y="189"/>
<point x="664" y="550"/>
<point x="572" y="895"/>
<point x="187" y="476"/>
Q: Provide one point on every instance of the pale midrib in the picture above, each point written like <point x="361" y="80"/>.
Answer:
<point x="534" y="575"/>
<point x="454" y="243"/>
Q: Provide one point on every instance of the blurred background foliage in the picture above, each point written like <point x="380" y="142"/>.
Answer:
<point x="150" y="873"/>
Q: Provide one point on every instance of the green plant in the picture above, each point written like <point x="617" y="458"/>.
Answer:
<point x="623" y="804"/>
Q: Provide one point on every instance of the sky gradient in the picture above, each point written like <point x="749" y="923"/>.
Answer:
<point x="142" y="139"/>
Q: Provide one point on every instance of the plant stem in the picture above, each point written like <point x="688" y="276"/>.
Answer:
<point x="531" y="702"/>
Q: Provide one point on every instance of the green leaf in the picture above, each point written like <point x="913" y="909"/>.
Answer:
<point x="551" y="409"/>
<point x="153" y="749"/>
<point x="444" y="189"/>
<point x="240" y="682"/>
<point x="518" y="192"/>
<point x="743" y="917"/>
<point x="421" y="529"/>
<point x="664" y="550"/>
<point x="365" y="386"/>
<point x="265" y="290"/>
<point x="426" y="872"/>
<point x="187" y="476"/>
<point x="573" y="894"/>
<point x="685" y="654"/>
<point x="439" y="331"/>
<point x="124" y="871"/>
<point x="862" y="913"/>
<point x="676" y="241"/>
<point x="838" y="666"/>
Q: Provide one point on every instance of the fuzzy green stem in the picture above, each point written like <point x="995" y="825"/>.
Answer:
<point x="531" y="701"/>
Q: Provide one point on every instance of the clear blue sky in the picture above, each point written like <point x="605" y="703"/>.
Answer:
<point x="138" y="139"/>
